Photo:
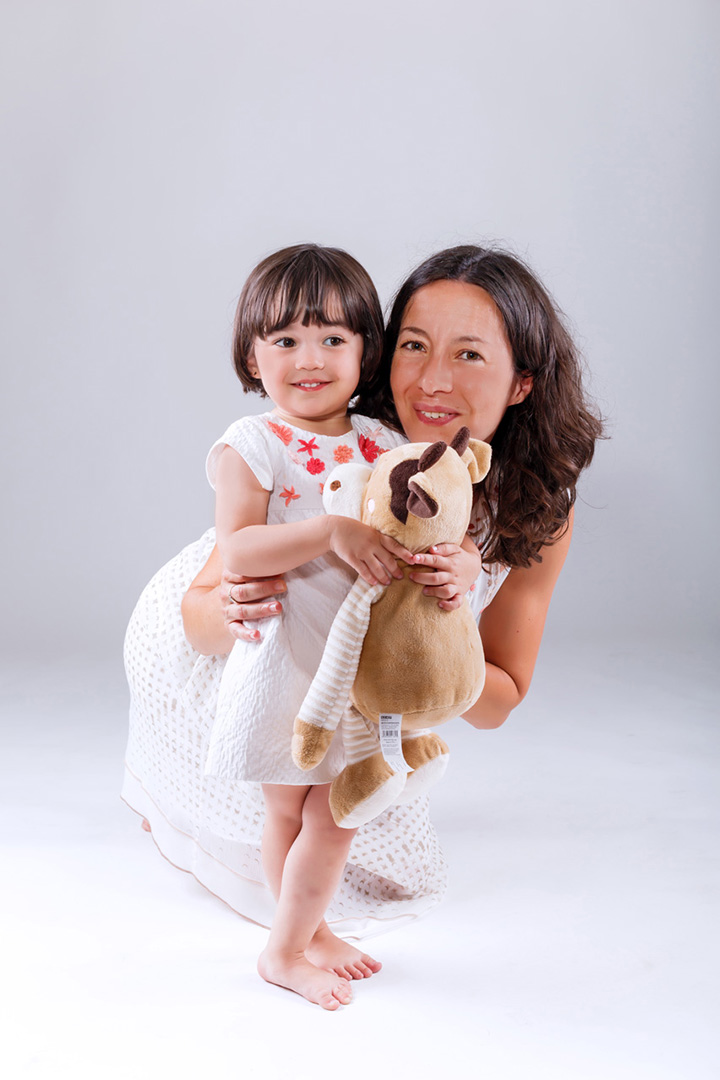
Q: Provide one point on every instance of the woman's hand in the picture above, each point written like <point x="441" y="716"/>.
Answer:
<point x="370" y="553"/>
<point x="452" y="569"/>
<point x="249" y="598"/>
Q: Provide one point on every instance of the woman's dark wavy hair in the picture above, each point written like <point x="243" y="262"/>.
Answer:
<point x="542" y="444"/>
<point x="307" y="283"/>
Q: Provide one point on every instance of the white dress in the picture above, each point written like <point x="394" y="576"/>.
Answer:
<point x="263" y="685"/>
<point x="212" y="827"/>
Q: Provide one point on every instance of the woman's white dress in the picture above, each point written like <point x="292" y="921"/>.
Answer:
<point x="212" y="826"/>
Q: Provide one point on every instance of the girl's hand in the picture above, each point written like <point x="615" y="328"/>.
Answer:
<point x="249" y="598"/>
<point x="372" y="554"/>
<point x="451" y="571"/>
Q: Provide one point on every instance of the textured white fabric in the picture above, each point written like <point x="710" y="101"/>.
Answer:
<point x="264" y="684"/>
<point x="212" y="827"/>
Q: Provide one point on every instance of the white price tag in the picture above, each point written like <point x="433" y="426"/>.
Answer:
<point x="391" y="742"/>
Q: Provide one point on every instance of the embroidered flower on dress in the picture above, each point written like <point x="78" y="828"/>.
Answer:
<point x="288" y="494"/>
<point x="308" y="446"/>
<point x="343" y="453"/>
<point x="283" y="433"/>
<point x="315" y="465"/>
<point x="368" y="448"/>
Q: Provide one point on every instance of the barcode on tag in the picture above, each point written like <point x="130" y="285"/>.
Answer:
<point x="391" y="741"/>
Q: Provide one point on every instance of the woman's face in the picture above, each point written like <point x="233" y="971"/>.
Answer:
<point x="452" y="365"/>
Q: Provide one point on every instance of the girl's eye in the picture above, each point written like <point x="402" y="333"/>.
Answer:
<point x="412" y="346"/>
<point x="285" y="342"/>
<point x="334" y="339"/>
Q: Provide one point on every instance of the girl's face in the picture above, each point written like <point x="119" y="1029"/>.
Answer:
<point x="452" y="365"/>
<point x="310" y="373"/>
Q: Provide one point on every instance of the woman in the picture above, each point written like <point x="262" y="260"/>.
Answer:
<point x="472" y="340"/>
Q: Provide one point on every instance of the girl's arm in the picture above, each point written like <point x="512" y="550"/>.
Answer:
<point x="511" y="628"/>
<point x="251" y="547"/>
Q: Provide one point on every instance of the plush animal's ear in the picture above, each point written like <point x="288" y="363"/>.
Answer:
<point x="477" y="458"/>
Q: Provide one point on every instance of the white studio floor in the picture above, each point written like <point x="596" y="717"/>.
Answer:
<point x="578" y="939"/>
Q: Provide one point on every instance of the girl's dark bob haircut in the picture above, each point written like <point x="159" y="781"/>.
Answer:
<point x="307" y="283"/>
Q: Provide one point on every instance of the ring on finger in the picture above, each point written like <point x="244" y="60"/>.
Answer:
<point x="232" y="598"/>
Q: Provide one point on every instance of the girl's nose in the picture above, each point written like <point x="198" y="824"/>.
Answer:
<point x="309" y="358"/>
<point x="436" y="376"/>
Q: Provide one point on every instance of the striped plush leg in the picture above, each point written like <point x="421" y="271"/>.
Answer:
<point x="367" y="785"/>
<point x="329" y="692"/>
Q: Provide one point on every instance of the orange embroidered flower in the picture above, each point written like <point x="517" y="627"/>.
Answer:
<point x="307" y="446"/>
<point x="315" y="465"/>
<point x="343" y="453"/>
<point x="283" y="433"/>
<point x="288" y="494"/>
<point x="368" y="448"/>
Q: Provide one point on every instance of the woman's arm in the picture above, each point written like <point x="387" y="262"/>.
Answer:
<point x="511" y="628"/>
<point x="216" y="603"/>
<point x="251" y="547"/>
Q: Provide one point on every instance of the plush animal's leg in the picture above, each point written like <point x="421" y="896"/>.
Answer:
<point x="310" y="876"/>
<point x="367" y="785"/>
<point x="324" y="705"/>
<point x="283" y="821"/>
<point x="428" y="756"/>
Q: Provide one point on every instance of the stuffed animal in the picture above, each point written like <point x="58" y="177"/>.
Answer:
<point x="396" y="664"/>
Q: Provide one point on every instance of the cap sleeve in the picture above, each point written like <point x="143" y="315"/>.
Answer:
<point x="247" y="436"/>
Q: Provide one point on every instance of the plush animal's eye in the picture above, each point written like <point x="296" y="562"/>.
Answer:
<point x="334" y="485"/>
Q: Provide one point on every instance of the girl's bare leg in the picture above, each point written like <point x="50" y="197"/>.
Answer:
<point x="284" y="807"/>
<point x="310" y="875"/>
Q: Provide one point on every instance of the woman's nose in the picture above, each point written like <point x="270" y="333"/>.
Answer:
<point x="436" y="375"/>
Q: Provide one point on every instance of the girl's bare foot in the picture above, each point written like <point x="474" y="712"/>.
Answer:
<point x="323" y="988"/>
<point x="146" y="825"/>
<point x="332" y="953"/>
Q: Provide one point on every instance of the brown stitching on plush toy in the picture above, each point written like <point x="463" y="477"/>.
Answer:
<point x="420" y="503"/>
<point x="399" y="489"/>
<point x="461" y="441"/>
<point x="431" y="455"/>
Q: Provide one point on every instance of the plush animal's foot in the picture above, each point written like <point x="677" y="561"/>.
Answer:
<point x="332" y="953"/>
<point x="428" y="756"/>
<point x="363" y="790"/>
<point x="309" y="744"/>
<point x="323" y="988"/>
<point x="145" y="824"/>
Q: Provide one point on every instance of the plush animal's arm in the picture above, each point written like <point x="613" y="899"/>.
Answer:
<point x="328" y="695"/>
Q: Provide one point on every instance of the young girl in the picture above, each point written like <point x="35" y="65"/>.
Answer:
<point x="308" y="334"/>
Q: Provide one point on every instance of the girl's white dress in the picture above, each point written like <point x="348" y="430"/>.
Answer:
<point x="263" y="685"/>
<point x="211" y="826"/>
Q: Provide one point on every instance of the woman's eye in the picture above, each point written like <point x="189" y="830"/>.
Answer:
<point x="468" y="354"/>
<point x="334" y="339"/>
<point x="412" y="346"/>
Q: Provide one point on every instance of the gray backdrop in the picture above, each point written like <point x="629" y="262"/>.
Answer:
<point x="157" y="150"/>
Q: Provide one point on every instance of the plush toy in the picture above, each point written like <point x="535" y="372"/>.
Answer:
<point x="396" y="664"/>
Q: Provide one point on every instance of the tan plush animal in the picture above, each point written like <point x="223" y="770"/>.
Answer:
<point x="395" y="663"/>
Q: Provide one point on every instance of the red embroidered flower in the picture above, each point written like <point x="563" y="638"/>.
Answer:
<point x="307" y="447"/>
<point x="368" y="448"/>
<point x="288" y="494"/>
<point x="283" y="433"/>
<point x="343" y="453"/>
<point x="314" y="465"/>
